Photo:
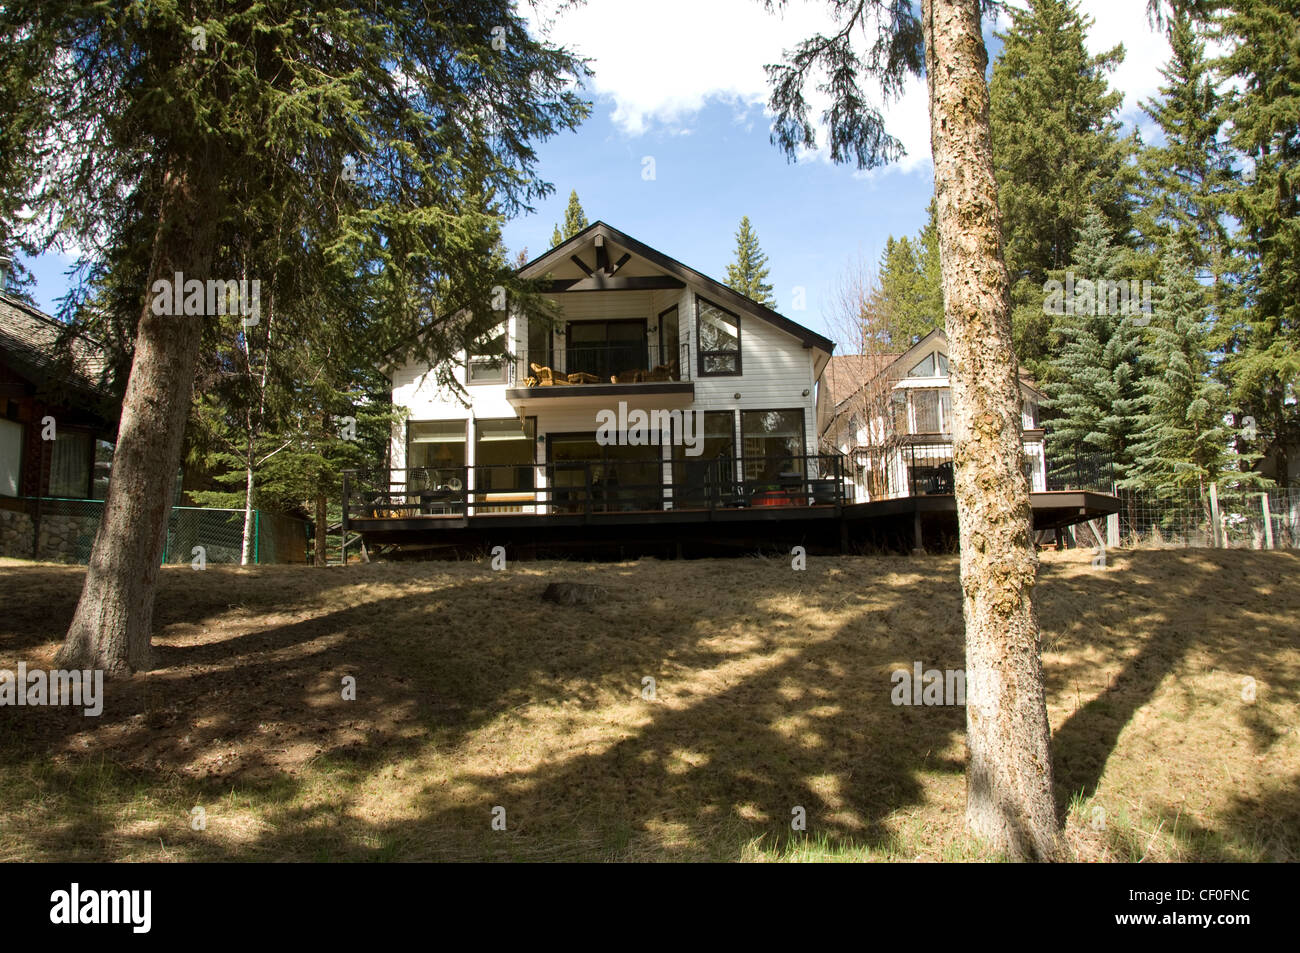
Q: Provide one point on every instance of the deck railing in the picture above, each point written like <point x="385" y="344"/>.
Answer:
<point x="591" y="487"/>
<point x="626" y="362"/>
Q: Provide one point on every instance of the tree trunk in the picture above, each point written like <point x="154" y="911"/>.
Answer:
<point x="1009" y="796"/>
<point x="322" y="530"/>
<point x="245" y="554"/>
<point x="112" y="626"/>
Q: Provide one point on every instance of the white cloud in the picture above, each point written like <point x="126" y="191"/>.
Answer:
<point x="659" y="66"/>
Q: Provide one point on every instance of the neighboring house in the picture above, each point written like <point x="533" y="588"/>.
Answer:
<point x="892" y="419"/>
<point x="38" y="387"/>
<point x="640" y="332"/>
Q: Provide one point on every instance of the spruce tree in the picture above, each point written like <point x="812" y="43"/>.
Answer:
<point x="184" y="128"/>
<point x="1096" y="377"/>
<point x="1057" y="150"/>
<point x="1186" y="180"/>
<point x="575" y="220"/>
<point x="1262" y="339"/>
<point x="1182" y="439"/>
<point x="748" y="272"/>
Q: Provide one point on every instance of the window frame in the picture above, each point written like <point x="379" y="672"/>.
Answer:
<point x="701" y="354"/>
<point x="504" y="358"/>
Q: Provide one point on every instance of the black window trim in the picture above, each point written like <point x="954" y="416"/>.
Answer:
<point x="701" y="354"/>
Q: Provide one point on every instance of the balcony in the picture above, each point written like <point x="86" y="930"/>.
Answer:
<point x="581" y="371"/>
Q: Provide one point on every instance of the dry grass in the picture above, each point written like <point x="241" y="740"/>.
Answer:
<point x="773" y="691"/>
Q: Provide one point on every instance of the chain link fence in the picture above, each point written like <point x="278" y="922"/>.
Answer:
<point x="63" y="530"/>
<point x="1230" y="518"/>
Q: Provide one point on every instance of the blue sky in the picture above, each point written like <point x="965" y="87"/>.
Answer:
<point x="694" y="101"/>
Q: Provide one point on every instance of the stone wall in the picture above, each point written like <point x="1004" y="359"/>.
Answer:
<point x="15" y="534"/>
<point x="63" y="537"/>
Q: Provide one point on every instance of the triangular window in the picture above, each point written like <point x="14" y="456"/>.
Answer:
<point x="934" y="365"/>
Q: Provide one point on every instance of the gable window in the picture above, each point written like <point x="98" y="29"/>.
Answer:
<point x="935" y="364"/>
<point x="718" y="332"/>
<point x="487" y="361"/>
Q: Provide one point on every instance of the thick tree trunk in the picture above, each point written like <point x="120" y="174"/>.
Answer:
<point x="322" y="530"/>
<point x="112" y="626"/>
<point x="1009" y="798"/>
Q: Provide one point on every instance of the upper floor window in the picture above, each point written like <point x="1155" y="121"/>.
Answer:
<point x="718" y="334"/>
<point x="934" y="365"/>
<point x="487" y="361"/>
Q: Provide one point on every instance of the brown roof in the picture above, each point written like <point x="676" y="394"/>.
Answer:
<point x="28" y="336"/>
<point x="846" y="374"/>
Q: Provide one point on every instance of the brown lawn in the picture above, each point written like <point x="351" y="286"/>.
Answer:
<point x="772" y="692"/>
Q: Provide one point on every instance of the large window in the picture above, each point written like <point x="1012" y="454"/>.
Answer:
<point x="435" y="452"/>
<point x="713" y="471"/>
<point x="773" y="442"/>
<point x="623" y="478"/>
<point x="504" y="453"/>
<point x="11" y="457"/>
<point x="70" y="465"/>
<point x="606" y="349"/>
<point x="717" y="331"/>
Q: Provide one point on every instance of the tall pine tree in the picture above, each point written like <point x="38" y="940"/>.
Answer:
<point x="1057" y="151"/>
<point x="1182" y="439"/>
<point x="1263" y="110"/>
<point x="1096" y="379"/>
<point x="748" y="272"/>
<point x="575" y="220"/>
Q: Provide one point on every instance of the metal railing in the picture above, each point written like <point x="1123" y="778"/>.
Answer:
<point x="590" y="487"/>
<point x="630" y="362"/>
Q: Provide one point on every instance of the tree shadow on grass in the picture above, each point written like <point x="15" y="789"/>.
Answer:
<point x="753" y="718"/>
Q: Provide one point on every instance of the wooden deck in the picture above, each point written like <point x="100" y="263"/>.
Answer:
<point x="884" y="524"/>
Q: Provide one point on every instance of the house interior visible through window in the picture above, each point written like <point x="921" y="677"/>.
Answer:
<point x="504" y="452"/>
<point x="437" y="446"/>
<point x="714" y="468"/>
<point x="775" y="436"/>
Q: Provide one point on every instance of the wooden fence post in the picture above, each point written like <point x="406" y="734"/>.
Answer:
<point x="1268" y="521"/>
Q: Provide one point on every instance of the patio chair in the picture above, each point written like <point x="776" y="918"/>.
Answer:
<point x="546" y="376"/>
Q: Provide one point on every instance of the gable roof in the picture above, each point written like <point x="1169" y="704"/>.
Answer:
<point x="849" y="374"/>
<point x="559" y="255"/>
<point x="28" y="338"/>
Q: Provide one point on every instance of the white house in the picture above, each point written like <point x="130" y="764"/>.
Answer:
<point x="660" y="388"/>
<point x="891" y="417"/>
